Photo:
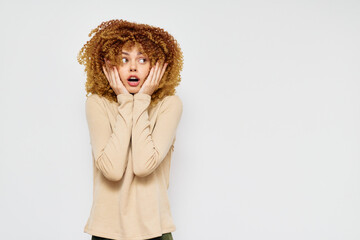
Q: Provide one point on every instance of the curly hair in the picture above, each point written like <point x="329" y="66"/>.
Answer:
<point x="111" y="37"/>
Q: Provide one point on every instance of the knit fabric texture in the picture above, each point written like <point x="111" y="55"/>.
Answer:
<point x="132" y="144"/>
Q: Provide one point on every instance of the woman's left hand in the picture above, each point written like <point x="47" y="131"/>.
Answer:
<point x="151" y="83"/>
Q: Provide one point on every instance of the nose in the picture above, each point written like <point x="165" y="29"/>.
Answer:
<point x="133" y="66"/>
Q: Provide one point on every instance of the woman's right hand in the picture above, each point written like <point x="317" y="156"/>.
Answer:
<point x="113" y="78"/>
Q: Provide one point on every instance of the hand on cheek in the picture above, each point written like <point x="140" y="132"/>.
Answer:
<point x="151" y="83"/>
<point x="113" y="78"/>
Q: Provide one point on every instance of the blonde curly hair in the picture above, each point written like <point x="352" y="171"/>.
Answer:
<point x="113" y="36"/>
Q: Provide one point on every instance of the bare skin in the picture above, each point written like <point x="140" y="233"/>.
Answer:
<point x="149" y="78"/>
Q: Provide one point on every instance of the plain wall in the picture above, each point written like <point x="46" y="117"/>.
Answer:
<point x="268" y="143"/>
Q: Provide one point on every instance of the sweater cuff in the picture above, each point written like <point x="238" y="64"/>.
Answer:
<point x="142" y="96"/>
<point x="123" y="97"/>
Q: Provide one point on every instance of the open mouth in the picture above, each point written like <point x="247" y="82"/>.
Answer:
<point x="133" y="81"/>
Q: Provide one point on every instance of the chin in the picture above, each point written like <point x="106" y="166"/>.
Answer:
<point x="133" y="90"/>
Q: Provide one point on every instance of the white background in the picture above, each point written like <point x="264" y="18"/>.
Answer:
<point x="268" y="144"/>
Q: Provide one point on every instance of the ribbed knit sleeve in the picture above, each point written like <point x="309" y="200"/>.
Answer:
<point x="150" y="148"/>
<point x="110" y="147"/>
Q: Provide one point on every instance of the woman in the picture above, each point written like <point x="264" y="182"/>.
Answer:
<point x="132" y="115"/>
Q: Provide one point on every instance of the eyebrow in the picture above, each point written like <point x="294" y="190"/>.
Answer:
<point x="139" y="53"/>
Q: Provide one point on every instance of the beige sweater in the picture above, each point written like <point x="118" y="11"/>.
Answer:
<point x="132" y="144"/>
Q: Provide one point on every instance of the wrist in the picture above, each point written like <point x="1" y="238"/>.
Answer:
<point x="124" y="97"/>
<point x="142" y="95"/>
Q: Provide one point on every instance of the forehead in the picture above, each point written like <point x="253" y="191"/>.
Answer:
<point x="134" y="50"/>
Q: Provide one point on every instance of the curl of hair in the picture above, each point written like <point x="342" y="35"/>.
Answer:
<point x="111" y="37"/>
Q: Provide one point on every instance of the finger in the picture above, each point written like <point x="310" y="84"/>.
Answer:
<point x="117" y="77"/>
<point x="104" y="70"/>
<point x="156" y="74"/>
<point x="106" y="66"/>
<point x="113" y="75"/>
<point x="147" y="80"/>
<point x="163" y="71"/>
<point x="119" y="81"/>
<point x="151" y="74"/>
<point x="107" y="76"/>
<point x="108" y="71"/>
<point x="157" y="79"/>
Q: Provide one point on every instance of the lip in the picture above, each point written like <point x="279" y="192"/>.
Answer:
<point x="133" y="84"/>
<point x="133" y="76"/>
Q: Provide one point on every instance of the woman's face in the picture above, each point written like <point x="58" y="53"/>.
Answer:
<point x="133" y="64"/>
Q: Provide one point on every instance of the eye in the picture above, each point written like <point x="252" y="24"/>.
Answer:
<point x="123" y="60"/>
<point x="144" y="60"/>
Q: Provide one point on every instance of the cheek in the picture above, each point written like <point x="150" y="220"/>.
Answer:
<point x="121" y="73"/>
<point x="146" y="71"/>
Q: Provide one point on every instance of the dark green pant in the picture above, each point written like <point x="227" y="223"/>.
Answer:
<point x="165" y="236"/>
